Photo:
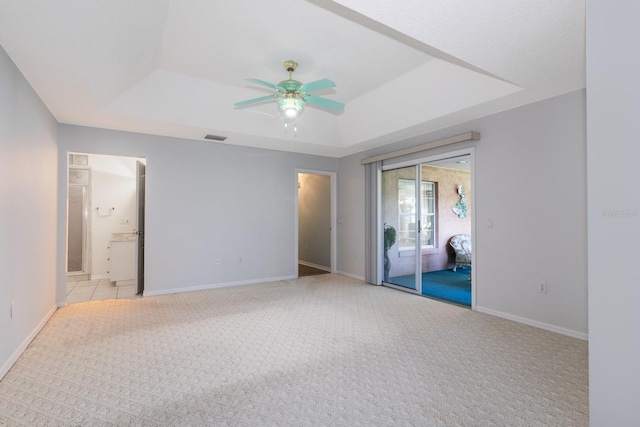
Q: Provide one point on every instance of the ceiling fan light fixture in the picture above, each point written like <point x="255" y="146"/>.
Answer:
<point x="292" y="95"/>
<point x="291" y="112"/>
<point x="290" y="107"/>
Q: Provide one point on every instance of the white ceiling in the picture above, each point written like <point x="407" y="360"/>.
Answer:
<point x="175" y="67"/>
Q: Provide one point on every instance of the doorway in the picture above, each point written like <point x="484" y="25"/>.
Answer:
<point x="114" y="232"/>
<point x="315" y="230"/>
<point x="420" y="222"/>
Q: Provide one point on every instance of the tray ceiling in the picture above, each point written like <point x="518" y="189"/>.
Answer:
<point x="175" y="68"/>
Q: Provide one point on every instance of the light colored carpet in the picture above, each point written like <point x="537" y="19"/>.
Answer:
<point x="320" y="350"/>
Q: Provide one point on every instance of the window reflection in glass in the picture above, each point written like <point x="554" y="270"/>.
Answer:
<point x="407" y="212"/>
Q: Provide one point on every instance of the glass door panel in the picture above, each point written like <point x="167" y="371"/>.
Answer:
<point x="400" y="214"/>
<point x="76" y="229"/>
<point x="419" y="258"/>
<point x="428" y="214"/>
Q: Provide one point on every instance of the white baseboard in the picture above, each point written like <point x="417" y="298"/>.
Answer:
<point x="214" y="286"/>
<point x="535" y="323"/>
<point x="318" y="266"/>
<point x="353" y="276"/>
<point x="23" y="346"/>
<point x="99" y="276"/>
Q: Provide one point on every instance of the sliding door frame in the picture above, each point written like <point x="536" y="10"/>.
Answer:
<point x="417" y="215"/>
<point x="427" y="158"/>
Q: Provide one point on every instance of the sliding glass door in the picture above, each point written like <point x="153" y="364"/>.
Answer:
<point x="402" y="217"/>
<point x="425" y="214"/>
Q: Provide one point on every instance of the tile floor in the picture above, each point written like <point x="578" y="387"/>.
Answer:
<point x="98" y="290"/>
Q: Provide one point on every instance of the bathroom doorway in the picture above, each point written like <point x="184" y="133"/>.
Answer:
<point x="104" y="192"/>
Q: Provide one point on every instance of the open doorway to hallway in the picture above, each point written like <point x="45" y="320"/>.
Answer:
<point x="104" y="228"/>
<point x="315" y="230"/>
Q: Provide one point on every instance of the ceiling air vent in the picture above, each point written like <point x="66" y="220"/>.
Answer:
<point x="215" y="137"/>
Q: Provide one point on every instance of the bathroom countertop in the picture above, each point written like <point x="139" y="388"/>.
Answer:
<point x="123" y="237"/>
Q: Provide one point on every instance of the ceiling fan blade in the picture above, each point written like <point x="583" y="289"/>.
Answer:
<point x="317" y="85"/>
<point x="263" y="83"/>
<point x="325" y="103"/>
<point x="254" y="101"/>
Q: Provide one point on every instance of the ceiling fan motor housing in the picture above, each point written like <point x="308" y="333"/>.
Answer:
<point x="290" y="65"/>
<point x="290" y="86"/>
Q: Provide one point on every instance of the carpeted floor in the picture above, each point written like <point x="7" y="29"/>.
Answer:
<point x="319" y="350"/>
<point x="446" y="285"/>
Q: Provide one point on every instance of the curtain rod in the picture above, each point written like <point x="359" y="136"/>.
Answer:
<point x="469" y="136"/>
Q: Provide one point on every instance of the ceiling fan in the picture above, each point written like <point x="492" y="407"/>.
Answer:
<point x="291" y="95"/>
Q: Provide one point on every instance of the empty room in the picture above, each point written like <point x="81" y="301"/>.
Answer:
<point x="460" y="174"/>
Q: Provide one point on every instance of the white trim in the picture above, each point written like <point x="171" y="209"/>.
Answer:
<point x="474" y="217"/>
<point x="333" y="178"/>
<point x="535" y="323"/>
<point x="215" y="286"/>
<point x="99" y="276"/>
<point x="353" y="276"/>
<point x="428" y="158"/>
<point x="22" y="347"/>
<point x="469" y="136"/>
<point x="417" y="245"/>
<point x="379" y="226"/>
<point x="318" y="266"/>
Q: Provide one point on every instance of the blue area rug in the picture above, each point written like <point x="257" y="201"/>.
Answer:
<point x="446" y="285"/>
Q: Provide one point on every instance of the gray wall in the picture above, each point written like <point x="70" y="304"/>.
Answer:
<point x="314" y="219"/>
<point x="530" y="169"/>
<point x="204" y="201"/>
<point x="28" y="134"/>
<point x="350" y="226"/>
<point x="614" y="212"/>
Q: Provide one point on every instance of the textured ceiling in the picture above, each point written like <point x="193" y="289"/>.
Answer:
<point x="175" y="67"/>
